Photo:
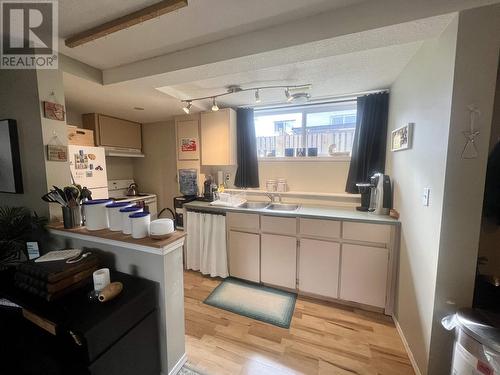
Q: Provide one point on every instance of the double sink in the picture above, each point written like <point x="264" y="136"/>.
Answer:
<point x="269" y="206"/>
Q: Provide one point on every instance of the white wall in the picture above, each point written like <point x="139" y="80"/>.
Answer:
<point x="19" y="101"/>
<point x="422" y="95"/>
<point x="476" y="63"/>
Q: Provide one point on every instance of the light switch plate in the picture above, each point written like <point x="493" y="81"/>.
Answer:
<point x="426" y="196"/>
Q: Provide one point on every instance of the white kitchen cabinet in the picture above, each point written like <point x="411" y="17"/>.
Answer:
<point x="279" y="260"/>
<point x="245" y="222"/>
<point x="278" y="225"/>
<point x="113" y="132"/>
<point x="218" y="137"/>
<point x="320" y="228"/>
<point x="319" y="263"/>
<point x="378" y="233"/>
<point x="244" y="256"/>
<point x="363" y="273"/>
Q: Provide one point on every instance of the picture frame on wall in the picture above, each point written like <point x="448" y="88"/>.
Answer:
<point x="401" y="138"/>
<point x="11" y="180"/>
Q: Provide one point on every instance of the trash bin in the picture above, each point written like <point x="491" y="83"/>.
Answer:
<point x="477" y="342"/>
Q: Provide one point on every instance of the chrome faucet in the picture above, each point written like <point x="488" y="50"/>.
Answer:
<point x="272" y="197"/>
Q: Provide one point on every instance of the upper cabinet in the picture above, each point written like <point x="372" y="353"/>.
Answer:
<point x="218" y="137"/>
<point x="113" y="132"/>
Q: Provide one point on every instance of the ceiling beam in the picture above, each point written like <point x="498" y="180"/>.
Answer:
<point x="124" y="22"/>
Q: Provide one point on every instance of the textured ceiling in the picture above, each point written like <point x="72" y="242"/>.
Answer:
<point x="201" y="22"/>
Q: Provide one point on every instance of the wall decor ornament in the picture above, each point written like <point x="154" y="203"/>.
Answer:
<point x="470" y="149"/>
<point x="401" y="138"/>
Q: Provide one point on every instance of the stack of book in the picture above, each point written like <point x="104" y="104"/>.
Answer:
<point x="52" y="280"/>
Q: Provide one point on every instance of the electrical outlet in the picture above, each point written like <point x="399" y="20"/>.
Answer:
<point x="426" y="196"/>
<point x="227" y="177"/>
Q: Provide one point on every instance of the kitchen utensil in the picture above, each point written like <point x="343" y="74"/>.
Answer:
<point x="96" y="215"/>
<point x="72" y="216"/>
<point x="140" y="224"/>
<point x="86" y="194"/>
<point x="133" y="189"/>
<point x="161" y="228"/>
<point x="60" y="192"/>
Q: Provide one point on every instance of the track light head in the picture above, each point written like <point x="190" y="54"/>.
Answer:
<point x="257" y="96"/>
<point x="289" y="97"/>
<point x="187" y="107"/>
<point x="215" y="107"/>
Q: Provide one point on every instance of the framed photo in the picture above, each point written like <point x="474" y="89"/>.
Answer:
<point x="401" y="138"/>
<point x="11" y="179"/>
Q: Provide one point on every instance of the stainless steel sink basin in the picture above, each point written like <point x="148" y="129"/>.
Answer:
<point x="254" y="205"/>
<point x="282" y="207"/>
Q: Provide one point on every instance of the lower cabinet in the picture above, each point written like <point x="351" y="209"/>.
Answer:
<point x="319" y="267"/>
<point x="364" y="274"/>
<point x="244" y="255"/>
<point x="279" y="260"/>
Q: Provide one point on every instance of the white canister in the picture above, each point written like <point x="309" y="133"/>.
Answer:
<point x="96" y="214"/>
<point x="282" y="186"/>
<point x="140" y="224"/>
<point x="271" y="185"/>
<point x="126" y="223"/>
<point x="115" y="216"/>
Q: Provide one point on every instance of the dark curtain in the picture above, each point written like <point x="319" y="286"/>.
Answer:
<point x="491" y="204"/>
<point x="247" y="174"/>
<point x="370" y="138"/>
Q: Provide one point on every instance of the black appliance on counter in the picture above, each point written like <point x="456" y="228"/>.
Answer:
<point x="179" y="203"/>
<point x="365" y="190"/>
<point x="209" y="189"/>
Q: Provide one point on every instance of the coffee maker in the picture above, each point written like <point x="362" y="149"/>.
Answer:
<point x="365" y="191"/>
<point x="381" y="194"/>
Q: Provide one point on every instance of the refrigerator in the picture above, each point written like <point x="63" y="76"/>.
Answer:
<point x="88" y="168"/>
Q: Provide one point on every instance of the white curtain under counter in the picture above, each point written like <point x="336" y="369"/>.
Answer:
<point x="206" y="244"/>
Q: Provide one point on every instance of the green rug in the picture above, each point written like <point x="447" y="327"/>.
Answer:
<point x="254" y="301"/>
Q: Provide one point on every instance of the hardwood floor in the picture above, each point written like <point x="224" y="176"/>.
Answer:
<point x="324" y="338"/>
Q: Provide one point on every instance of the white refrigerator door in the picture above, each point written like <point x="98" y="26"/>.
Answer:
<point x="88" y="166"/>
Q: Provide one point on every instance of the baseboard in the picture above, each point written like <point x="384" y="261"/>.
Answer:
<point x="178" y="365"/>
<point x="407" y="347"/>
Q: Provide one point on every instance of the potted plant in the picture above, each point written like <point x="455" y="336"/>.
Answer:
<point x="18" y="225"/>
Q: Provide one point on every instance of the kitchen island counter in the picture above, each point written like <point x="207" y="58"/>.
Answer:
<point x="157" y="260"/>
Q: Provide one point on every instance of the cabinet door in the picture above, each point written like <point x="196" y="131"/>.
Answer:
<point x="364" y="274"/>
<point x="246" y="222"/>
<point x="319" y="267"/>
<point x="116" y="132"/>
<point x="279" y="260"/>
<point x="244" y="256"/>
<point x="218" y="137"/>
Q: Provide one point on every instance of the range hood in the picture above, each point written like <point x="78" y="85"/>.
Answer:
<point x="123" y="152"/>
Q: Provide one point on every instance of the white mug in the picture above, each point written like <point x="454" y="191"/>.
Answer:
<point x="101" y="279"/>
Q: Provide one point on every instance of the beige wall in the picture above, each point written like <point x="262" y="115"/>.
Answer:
<point x="156" y="172"/>
<point x="476" y="63"/>
<point x="19" y="101"/>
<point x="422" y="95"/>
<point x="120" y="168"/>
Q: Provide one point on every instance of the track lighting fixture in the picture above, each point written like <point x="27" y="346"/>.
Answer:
<point x="187" y="107"/>
<point x="215" y="107"/>
<point x="257" y="96"/>
<point x="292" y="92"/>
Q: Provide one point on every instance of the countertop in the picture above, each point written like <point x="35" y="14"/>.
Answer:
<point x="106" y="234"/>
<point x="306" y="211"/>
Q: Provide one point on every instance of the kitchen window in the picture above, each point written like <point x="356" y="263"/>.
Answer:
<point x="315" y="130"/>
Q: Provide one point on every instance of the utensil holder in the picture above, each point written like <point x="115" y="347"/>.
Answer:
<point x="72" y="217"/>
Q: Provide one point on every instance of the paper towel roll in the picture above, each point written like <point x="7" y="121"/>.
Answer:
<point x="101" y="279"/>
